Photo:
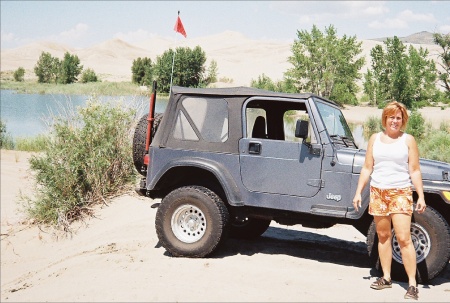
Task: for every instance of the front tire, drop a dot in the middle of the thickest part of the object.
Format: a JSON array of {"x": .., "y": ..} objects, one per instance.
[
  {"x": 431, "y": 237},
  {"x": 191, "y": 222}
]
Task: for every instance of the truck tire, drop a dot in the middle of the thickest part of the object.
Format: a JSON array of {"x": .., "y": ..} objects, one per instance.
[
  {"x": 431, "y": 236},
  {"x": 139, "y": 139},
  {"x": 249, "y": 229},
  {"x": 191, "y": 221}
]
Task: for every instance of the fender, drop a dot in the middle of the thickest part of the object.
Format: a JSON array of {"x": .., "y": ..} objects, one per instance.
[
  {"x": 220, "y": 172},
  {"x": 437, "y": 187}
]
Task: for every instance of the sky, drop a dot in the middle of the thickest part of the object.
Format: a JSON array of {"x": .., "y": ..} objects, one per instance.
[{"x": 87, "y": 23}]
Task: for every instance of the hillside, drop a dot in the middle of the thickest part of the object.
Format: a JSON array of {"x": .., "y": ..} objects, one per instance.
[{"x": 417, "y": 38}]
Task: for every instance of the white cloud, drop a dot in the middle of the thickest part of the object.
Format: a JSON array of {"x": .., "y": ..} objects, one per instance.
[
  {"x": 363, "y": 8},
  {"x": 7, "y": 37},
  {"x": 74, "y": 33},
  {"x": 326, "y": 10},
  {"x": 402, "y": 20},
  {"x": 135, "y": 36},
  {"x": 388, "y": 24},
  {"x": 409, "y": 16},
  {"x": 444, "y": 29}
]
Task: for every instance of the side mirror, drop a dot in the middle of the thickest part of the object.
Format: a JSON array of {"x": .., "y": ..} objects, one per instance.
[{"x": 301, "y": 129}]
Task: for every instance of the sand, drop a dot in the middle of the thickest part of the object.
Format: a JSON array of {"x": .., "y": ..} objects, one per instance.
[{"x": 116, "y": 256}]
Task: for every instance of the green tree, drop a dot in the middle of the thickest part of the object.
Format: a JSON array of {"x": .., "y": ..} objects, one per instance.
[
  {"x": 264, "y": 82},
  {"x": 47, "y": 68},
  {"x": 19, "y": 74},
  {"x": 142, "y": 71},
  {"x": 188, "y": 69},
  {"x": 211, "y": 76},
  {"x": 70, "y": 69},
  {"x": 444, "y": 42},
  {"x": 400, "y": 74},
  {"x": 325, "y": 64},
  {"x": 88, "y": 75}
]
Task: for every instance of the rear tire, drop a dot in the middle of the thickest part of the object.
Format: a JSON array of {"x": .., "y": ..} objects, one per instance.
[
  {"x": 139, "y": 140},
  {"x": 191, "y": 222},
  {"x": 431, "y": 236}
]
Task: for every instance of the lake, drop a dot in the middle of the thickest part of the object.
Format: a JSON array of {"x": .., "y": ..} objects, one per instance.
[{"x": 25, "y": 114}]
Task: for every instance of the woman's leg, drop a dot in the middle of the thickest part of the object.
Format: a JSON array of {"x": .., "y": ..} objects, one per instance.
[
  {"x": 383, "y": 224},
  {"x": 402, "y": 228}
]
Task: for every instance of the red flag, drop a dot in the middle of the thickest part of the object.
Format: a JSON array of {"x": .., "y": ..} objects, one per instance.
[{"x": 179, "y": 27}]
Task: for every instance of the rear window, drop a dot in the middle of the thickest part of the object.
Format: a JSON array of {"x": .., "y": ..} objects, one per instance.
[{"x": 202, "y": 118}]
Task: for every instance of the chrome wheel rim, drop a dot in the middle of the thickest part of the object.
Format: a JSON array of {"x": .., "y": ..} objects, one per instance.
[
  {"x": 421, "y": 241},
  {"x": 188, "y": 223}
]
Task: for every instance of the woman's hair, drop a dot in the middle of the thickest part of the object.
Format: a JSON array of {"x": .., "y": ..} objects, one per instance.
[{"x": 390, "y": 110}]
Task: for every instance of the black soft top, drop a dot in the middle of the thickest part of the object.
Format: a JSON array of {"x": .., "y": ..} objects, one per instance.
[{"x": 241, "y": 91}]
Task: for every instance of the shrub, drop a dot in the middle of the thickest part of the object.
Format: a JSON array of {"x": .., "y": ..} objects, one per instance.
[
  {"x": 416, "y": 125},
  {"x": 87, "y": 159},
  {"x": 88, "y": 76},
  {"x": 19, "y": 74},
  {"x": 6, "y": 141}
]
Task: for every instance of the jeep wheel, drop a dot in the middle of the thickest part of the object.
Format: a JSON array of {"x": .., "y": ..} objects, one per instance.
[
  {"x": 139, "y": 140},
  {"x": 191, "y": 222},
  {"x": 431, "y": 237},
  {"x": 248, "y": 229}
]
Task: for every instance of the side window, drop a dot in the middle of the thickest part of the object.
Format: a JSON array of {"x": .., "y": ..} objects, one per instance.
[
  {"x": 290, "y": 118},
  {"x": 201, "y": 117},
  {"x": 276, "y": 119}
]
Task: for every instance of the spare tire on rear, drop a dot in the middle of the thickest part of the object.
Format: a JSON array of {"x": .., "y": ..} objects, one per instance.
[{"x": 139, "y": 139}]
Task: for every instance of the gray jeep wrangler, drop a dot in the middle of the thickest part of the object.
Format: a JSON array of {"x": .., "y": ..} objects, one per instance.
[{"x": 228, "y": 161}]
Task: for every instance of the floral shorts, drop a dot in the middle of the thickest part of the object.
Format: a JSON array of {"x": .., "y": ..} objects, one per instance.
[{"x": 384, "y": 202}]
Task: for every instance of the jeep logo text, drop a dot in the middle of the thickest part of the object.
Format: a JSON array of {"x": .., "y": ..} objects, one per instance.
[{"x": 337, "y": 198}]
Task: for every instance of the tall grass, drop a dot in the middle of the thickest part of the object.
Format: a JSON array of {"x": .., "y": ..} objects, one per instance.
[
  {"x": 31, "y": 144},
  {"x": 87, "y": 159}
]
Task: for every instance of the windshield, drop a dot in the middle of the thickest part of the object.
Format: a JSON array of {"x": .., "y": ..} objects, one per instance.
[{"x": 334, "y": 121}]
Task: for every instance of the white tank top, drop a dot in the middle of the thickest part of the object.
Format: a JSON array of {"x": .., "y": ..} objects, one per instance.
[{"x": 390, "y": 168}]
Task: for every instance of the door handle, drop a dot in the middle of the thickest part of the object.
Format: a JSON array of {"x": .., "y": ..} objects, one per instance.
[{"x": 254, "y": 148}]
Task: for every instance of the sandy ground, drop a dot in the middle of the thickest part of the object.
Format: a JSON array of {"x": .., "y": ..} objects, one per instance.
[{"x": 115, "y": 256}]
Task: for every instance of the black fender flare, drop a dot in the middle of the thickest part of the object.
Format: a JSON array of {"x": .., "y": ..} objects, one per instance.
[{"x": 226, "y": 180}]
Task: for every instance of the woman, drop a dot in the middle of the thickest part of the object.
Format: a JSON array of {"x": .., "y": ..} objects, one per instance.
[{"x": 392, "y": 164}]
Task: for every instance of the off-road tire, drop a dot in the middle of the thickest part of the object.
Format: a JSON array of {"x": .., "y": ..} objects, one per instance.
[
  {"x": 249, "y": 229},
  {"x": 139, "y": 140},
  {"x": 431, "y": 237},
  {"x": 191, "y": 221}
]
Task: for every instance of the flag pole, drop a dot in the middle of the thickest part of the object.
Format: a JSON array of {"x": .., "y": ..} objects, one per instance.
[
  {"x": 173, "y": 62},
  {"x": 173, "y": 59}
]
